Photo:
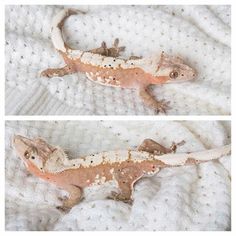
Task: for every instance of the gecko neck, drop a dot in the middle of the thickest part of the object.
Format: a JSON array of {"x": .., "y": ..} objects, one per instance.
[{"x": 159, "y": 79}]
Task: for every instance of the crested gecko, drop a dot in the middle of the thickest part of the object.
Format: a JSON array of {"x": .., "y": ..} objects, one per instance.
[
  {"x": 104, "y": 66},
  {"x": 122, "y": 168}
]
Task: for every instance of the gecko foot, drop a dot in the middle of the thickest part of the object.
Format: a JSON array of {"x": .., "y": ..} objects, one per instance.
[
  {"x": 52, "y": 72},
  {"x": 47, "y": 73},
  {"x": 149, "y": 100},
  {"x": 62, "y": 199},
  {"x": 174, "y": 145},
  {"x": 115, "y": 50},
  {"x": 161, "y": 106},
  {"x": 108, "y": 52},
  {"x": 62, "y": 208},
  {"x": 120, "y": 197}
]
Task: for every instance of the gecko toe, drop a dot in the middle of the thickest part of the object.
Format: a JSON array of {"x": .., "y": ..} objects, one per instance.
[
  {"x": 119, "y": 197},
  {"x": 63, "y": 208},
  {"x": 46, "y": 73},
  {"x": 64, "y": 198}
]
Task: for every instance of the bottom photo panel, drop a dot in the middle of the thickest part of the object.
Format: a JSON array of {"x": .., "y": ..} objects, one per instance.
[{"x": 117, "y": 175}]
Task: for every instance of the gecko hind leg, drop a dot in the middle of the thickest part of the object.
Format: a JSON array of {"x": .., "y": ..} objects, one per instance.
[
  {"x": 149, "y": 100},
  {"x": 151, "y": 146},
  {"x": 115, "y": 50},
  {"x": 109, "y": 52},
  {"x": 103, "y": 50},
  {"x": 52, "y": 72}
]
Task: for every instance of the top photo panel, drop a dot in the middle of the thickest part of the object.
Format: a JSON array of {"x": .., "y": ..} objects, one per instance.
[{"x": 118, "y": 60}]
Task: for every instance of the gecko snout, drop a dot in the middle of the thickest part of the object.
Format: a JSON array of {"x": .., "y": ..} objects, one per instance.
[
  {"x": 15, "y": 139},
  {"x": 193, "y": 74}
]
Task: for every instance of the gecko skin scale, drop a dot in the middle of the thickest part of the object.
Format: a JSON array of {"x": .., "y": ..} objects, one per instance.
[
  {"x": 104, "y": 66},
  {"x": 123, "y": 168}
]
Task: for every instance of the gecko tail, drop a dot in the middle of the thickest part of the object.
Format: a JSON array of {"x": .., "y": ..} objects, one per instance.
[
  {"x": 192, "y": 158},
  {"x": 56, "y": 30}
]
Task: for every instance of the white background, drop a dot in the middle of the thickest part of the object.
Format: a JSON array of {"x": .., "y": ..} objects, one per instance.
[{"x": 2, "y": 141}]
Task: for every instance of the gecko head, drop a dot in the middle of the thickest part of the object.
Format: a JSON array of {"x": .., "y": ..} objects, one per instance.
[
  {"x": 33, "y": 152},
  {"x": 174, "y": 69}
]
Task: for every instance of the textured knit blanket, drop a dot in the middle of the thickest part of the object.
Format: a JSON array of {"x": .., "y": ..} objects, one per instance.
[
  {"x": 200, "y": 34},
  {"x": 183, "y": 198}
]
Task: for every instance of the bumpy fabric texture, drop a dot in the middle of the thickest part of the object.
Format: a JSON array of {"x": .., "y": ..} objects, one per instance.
[
  {"x": 199, "y": 34},
  {"x": 183, "y": 198}
]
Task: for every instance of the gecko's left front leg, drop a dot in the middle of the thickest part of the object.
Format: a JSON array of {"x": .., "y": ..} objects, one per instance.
[
  {"x": 74, "y": 198},
  {"x": 149, "y": 100},
  {"x": 126, "y": 177}
]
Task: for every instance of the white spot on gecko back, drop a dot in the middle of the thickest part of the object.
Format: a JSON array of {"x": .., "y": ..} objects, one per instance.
[
  {"x": 86, "y": 57},
  {"x": 96, "y": 59},
  {"x": 139, "y": 158},
  {"x": 101, "y": 61},
  {"x": 58, "y": 161},
  {"x": 108, "y": 62},
  {"x": 148, "y": 65},
  {"x": 74, "y": 54},
  {"x": 96, "y": 159}
]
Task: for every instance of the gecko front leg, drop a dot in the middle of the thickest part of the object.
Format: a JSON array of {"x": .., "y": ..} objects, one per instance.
[
  {"x": 149, "y": 100},
  {"x": 52, "y": 72},
  {"x": 74, "y": 198},
  {"x": 126, "y": 177}
]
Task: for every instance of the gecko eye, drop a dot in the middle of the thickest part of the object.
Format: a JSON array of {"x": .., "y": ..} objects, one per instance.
[
  {"x": 174, "y": 74},
  {"x": 27, "y": 155},
  {"x": 32, "y": 157}
]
